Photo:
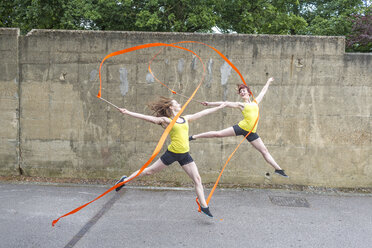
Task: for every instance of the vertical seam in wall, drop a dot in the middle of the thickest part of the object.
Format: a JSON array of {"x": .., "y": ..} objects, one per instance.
[
  {"x": 19, "y": 76},
  {"x": 107, "y": 110}
]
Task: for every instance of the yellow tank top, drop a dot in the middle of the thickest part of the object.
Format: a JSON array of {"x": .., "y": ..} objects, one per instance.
[
  {"x": 179, "y": 136},
  {"x": 250, "y": 114}
]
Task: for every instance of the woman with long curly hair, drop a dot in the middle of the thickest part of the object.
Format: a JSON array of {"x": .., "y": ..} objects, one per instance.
[{"x": 165, "y": 109}]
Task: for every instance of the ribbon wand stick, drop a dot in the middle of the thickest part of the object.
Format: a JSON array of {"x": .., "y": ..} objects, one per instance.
[{"x": 109, "y": 103}]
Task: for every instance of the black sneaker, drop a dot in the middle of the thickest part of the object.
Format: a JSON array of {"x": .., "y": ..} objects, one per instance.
[
  {"x": 121, "y": 180},
  {"x": 206, "y": 211},
  {"x": 191, "y": 138},
  {"x": 281, "y": 172}
]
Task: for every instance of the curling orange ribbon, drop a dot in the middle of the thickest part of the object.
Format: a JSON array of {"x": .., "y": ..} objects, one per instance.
[
  {"x": 227, "y": 161},
  {"x": 197, "y": 42},
  {"x": 241, "y": 77},
  {"x": 166, "y": 131}
]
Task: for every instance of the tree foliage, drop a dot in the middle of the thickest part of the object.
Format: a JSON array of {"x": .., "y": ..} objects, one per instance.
[
  {"x": 259, "y": 17},
  {"x": 43, "y": 14},
  {"x": 145, "y": 15},
  {"x": 306, "y": 17},
  {"x": 360, "y": 38},
  {"x": 329, "y": 17}
]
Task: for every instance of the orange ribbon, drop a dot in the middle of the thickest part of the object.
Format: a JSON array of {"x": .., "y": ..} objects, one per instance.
[
  {"x": 241, "y": 77},
  {"x": 166, "y": 131},
  {"x": 228, "y": 160},
  {"x": 197, "y": 42},
  {"x": 169, "y": 127}
]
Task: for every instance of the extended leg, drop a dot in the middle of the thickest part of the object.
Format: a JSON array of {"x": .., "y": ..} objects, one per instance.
[
  {"x": 192, "y": 171},
  {"x": 215, "y": 134},
  {"x": 260, "y": 146},
  {"x": 155, "y": 167}
]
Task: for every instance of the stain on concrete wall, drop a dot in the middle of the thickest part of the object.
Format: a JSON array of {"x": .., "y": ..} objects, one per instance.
[
  {"x": 180, "y": 65},
  {"x": 225, "y": 74},
  {"x": 209, "y": 77},
  {"x": 194, "y": 63},
  {"x": 124, "y": 84},
  {"x": 150, "y": 78},
  {"x": 180, "y": 72},
  {"x": 93, "y": 75}
]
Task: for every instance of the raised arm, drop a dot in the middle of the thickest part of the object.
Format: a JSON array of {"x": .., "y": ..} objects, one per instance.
[
  {"x": 204, "y": 112},
  {"x": 264, "y": 90},
  {"x": 149, "y": 118}
]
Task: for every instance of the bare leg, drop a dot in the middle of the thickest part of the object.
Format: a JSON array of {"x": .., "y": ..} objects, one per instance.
[
  {"x": 155, "y": 167},
  {"x": 192, "y": 171},
  {"x": 260, "y": 146},
  {"x": 215, "y": 134}
]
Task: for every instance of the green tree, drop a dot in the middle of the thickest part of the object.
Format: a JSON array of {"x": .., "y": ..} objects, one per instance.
[
  {"x": 7, "y": 13},
  {"x": 308, "y": 17},
  {"x": 44, "y": 14},
  {"x": 166, "y": 15},
  {"x": 259, "y": 17},
  {"x": 111, "y": 14},
  {"x": 360, "y": 37},
  {"x": 140, "y": 15},
  {"x": 311, "y": 17},
  {"x": 329, "y": 17}
]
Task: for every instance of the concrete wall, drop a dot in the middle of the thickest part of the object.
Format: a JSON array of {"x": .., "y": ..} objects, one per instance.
[
  {"x": 315, "y": 118},
  {"x": 9, "y": 102}
]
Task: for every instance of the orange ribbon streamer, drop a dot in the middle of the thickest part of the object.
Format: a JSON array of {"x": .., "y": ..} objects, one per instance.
[
  {"x": 229, "y": 158},
  {"x": 169, "y": 127},
  {"x": 197, "y": 42},
  {"x": 227, "y": 161},
  {"x": 166, "y": 131},
  {"x": 241, "y": 77}
]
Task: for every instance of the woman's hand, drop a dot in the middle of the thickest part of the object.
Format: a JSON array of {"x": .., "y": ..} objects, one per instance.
[
  {"x": 123, "y": 110},
  {"x": 205, "y": 103},
  {"x": 270, "y": 80}
]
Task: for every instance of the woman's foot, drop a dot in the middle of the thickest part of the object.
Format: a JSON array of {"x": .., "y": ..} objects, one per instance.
[
  {"x": 206, "y": 211},
  {"x": 121, "y": 180},
  {"x": 281, "y": 172}
]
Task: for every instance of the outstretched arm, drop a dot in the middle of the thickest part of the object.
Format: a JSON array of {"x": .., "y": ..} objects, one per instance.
[
  {"x": 149, "y": 118},
  {"x": 264, "y": 90},
  {"x": 228, "y": 104},
  {"x": 204, "y": 112}
]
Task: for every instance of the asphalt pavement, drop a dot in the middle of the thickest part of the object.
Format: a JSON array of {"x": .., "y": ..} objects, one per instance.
[{"x": 168, "y": 217}]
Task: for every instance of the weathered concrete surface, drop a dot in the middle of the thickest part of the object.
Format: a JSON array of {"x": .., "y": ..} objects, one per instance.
[
  {"x": 9, "y": 102},
  {"x": 168, "y": 218},
  {"x": 315, "y": 118}
]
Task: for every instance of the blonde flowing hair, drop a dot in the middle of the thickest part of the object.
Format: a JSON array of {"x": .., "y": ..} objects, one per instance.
[{"x": 161, "y": 107}]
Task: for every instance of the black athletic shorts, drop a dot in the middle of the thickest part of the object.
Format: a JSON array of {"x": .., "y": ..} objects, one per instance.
[
  {"x": 239, "y": 131},
  {"x": 182, "y": 158}
]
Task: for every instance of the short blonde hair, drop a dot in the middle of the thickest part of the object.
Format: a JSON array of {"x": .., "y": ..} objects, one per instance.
[{"x": 243, "y": 86}]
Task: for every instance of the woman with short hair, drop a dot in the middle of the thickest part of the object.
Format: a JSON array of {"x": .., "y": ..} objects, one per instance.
[{"x": 249, "y": 109}]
